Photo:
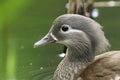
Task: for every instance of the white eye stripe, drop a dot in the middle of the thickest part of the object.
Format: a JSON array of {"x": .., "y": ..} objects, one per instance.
[{"x": 73, "y": 31}]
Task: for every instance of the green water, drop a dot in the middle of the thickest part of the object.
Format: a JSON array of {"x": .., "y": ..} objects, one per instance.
[{"x": 21, "y": 25}]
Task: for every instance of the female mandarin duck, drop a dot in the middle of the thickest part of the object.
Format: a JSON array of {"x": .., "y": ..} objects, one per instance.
[{"x": 83, "y": 38}]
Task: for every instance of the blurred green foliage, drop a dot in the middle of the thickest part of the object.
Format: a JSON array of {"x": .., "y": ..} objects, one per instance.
[
  {"x": 9, "y": 9},
  {"x": 18, "y": 18}
]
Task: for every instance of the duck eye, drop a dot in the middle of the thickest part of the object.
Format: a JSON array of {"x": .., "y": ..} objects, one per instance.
[{"x": 65, "y": 28}]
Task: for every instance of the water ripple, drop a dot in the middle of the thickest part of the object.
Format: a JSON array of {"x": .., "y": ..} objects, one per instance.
[{"x": 45, "y": 74}]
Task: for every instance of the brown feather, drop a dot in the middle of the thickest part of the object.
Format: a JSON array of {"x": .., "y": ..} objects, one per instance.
[{"x": 105, "y": 67}]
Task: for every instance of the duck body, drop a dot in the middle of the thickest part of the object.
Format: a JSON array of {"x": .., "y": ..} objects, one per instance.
[
  {"x": 106, "y": 66},
  {"x": 83, "y": 38}
]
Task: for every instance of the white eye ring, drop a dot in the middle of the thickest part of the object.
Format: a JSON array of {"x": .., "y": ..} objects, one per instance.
[{"x": 65, "y": 28}]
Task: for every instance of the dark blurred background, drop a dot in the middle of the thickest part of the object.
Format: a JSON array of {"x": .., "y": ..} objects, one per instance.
[{"x": 23, "y": 22}]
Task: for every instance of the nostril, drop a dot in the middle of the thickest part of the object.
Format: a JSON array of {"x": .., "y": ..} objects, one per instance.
[{"x": 46, "y": 38}]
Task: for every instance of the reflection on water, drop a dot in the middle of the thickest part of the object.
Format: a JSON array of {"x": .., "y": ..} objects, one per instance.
[{"x": 43, "y": 74}]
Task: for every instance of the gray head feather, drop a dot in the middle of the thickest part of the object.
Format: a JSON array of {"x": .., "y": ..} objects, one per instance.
[
  {"x": 83, "y": 39},
  {"x": 92, "y": 29}
]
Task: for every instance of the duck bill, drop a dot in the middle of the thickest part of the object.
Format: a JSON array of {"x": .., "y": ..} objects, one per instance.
[{"x": 45, "y": 40}]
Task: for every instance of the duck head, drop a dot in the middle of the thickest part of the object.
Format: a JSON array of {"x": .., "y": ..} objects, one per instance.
[{"x": 78, "y": 33}]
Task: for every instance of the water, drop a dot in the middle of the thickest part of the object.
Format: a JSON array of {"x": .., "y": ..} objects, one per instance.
[
  {"x": 20, "y": 61},
  {"x": 43, "y": 74}
]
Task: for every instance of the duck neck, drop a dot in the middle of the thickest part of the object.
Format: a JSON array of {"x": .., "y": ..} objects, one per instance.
[
  {"x": 82, "y": 54},
  {"x": 75, "y": 61}
]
